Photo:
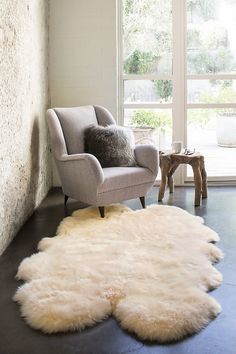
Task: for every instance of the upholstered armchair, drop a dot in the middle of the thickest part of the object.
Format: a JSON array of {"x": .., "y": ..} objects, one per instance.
[{"x": 81, "y": 174}]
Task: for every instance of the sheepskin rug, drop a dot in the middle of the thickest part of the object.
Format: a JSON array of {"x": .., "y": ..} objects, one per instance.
[{"x": 151, "y": 269}]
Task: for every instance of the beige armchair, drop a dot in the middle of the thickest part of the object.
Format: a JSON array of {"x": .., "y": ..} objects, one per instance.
[{"x": 81, "y": 174}]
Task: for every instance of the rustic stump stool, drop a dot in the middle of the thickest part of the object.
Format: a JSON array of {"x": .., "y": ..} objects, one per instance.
[{"x": 169, "y": 162}]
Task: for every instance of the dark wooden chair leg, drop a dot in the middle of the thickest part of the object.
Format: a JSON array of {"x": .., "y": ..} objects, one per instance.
[
  {"x": 142, "y": 200},
  {"x": 65, "y": 199},
  {"x": 102, "y": 211}
]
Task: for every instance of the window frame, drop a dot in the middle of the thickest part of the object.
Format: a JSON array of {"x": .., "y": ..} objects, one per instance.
[{"x": 179, "y": 78}]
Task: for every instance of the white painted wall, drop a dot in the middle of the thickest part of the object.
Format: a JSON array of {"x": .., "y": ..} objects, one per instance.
[
  {"x": 83, "y": 53},
  {"x": 83, "y": 60}
]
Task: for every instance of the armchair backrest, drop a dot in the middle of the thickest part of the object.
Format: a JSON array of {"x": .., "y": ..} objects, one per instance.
[{"x": 67, "y": 125}]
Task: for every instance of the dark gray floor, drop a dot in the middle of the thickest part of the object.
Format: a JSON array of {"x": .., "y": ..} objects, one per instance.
[{"x": 219, "y": 337}]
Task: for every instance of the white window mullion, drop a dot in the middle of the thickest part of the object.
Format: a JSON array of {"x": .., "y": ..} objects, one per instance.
[
  {"x": 147, "y": 105},
  {"x": 120, "y": 98},
  {"x": 210, "y": 105},
  {"x": 179, "y": 75},
  {"x": 212, "y": 77},
  {"x": 147, "y": 77}
]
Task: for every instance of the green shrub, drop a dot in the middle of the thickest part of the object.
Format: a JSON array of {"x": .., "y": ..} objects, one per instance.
[
  {"x": 164, "y": 88},
  {"x": 139, "y": 62},
  {"x": 152, "y": 119}
]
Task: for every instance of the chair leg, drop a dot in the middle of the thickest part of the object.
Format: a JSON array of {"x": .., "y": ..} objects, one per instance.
[
  {"x": 142, "y": 200},
  {"x": 102, "y": 211},
  {"x": 65, "y": 199}
]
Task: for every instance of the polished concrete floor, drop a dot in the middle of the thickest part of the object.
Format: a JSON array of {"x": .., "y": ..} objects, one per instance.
[{"x": 219, "y": 337}]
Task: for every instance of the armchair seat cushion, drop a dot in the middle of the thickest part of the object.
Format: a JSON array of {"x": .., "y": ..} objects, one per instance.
[{"x": 124, "y": 177}]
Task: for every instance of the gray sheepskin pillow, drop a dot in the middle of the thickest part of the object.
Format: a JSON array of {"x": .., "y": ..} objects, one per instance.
[{"x": 112, "y": 145}]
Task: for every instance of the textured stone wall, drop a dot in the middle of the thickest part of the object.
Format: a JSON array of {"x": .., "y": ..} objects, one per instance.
[{"x": 25, "y": 169}]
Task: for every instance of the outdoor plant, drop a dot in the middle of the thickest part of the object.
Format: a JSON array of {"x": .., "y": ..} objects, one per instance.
[
  {"x": 163, "y": 89},
  {"x": 152, "y": 119},
  {"x": 139, "y": 62}
]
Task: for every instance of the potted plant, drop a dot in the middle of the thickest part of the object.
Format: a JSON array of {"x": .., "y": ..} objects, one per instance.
[
  {"x": 226, "y": 128},
  {"x": 149, "y": 126}
]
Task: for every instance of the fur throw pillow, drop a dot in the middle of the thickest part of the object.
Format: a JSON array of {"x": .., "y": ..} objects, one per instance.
[{"x": 112, "y": 145}]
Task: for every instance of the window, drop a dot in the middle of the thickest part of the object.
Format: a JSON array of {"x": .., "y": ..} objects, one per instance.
[{"x": 178, "y": 77}]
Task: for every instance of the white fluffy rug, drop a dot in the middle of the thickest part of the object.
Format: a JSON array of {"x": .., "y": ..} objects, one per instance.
[{"x": 149, "y": 268}]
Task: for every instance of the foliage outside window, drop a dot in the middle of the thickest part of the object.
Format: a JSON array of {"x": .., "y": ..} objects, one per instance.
[
  {"x": 152, "y": 119},
  {"x": 147, "y": 49},
  {"x": 203, "y": 118},
  {"x": 164, "y": 89},
  {"x": 207, "y": 40},
  {"x": 147, "y": 36}
]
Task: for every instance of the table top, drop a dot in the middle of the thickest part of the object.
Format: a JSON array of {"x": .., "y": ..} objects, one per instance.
[
  {"x": 181, "y": 154},
  {"x": 180, "y": 158}
]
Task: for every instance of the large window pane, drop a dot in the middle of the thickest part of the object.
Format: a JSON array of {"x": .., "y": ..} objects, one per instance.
[
  {"x": 211, "y": 91},
  {"x": 159, "y": 91},
  {"x": 147, "y": 27},
  {"x": 213, "y": 133},
  {"x": 150, "y": 126},
  {"x": 211, "y": 40}
]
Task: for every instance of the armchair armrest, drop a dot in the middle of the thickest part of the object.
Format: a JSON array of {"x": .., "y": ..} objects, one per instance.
[
  {"x": 81, "y": 167},
  {"x": 147, "y": 156}
]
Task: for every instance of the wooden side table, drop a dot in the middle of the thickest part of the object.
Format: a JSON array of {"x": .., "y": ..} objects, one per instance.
[{"x": 169, "y": 162}]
